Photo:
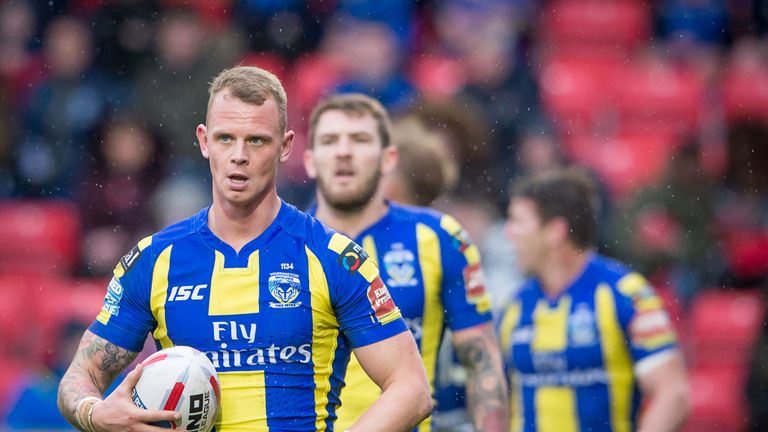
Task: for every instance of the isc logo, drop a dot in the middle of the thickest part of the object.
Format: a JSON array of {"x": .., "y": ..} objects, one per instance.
[{"x": 186, "y": 292}]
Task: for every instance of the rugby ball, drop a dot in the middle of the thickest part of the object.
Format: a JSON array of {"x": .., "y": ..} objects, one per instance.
[{"x": 180, "y": 379}]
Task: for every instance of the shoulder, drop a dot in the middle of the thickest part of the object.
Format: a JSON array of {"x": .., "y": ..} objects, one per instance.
[
  {"x": 176, "y": 232},
  {"x": 148, "y": 248},
  {"x": 626, "y": 284}
]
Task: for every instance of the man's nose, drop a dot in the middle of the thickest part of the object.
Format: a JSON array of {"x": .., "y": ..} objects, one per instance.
[{"x": 239, "y": 156}]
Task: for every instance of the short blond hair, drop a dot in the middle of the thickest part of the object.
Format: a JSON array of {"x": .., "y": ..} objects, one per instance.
[
  {"x": 355, "y": 103},
  {"x": 252, "y": 85}
]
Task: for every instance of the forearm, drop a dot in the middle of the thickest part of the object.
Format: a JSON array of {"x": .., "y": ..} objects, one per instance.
[
  {"x": 487, "y": 399},
  {"x": 665, "y": 412},
  {"x": 93, "y": 369},
  {"x": 398, "y": 408}
]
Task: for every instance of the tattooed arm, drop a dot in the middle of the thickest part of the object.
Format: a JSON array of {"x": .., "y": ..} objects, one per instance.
[
  {"x": 96, "y": 364},
  {"x": 487, "y": 398}
]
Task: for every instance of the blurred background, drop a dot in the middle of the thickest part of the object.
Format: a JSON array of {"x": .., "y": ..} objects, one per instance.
[{"x": 665, "y": 101}]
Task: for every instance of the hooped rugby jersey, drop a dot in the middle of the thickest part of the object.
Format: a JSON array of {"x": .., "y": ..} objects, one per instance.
[
  {"x": 433, "y": 272},
  {"x": 277, "y": 319},
  {"x": 573, "y": 361}
]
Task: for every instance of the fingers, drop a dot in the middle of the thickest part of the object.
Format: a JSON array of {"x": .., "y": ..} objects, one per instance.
[
  {"x": 149, "y": 428},
  {"x": 149, "y": 416},
  {"x": 133, "y": 377}
]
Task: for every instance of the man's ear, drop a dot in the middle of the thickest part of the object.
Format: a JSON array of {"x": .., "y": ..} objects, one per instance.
[
  {"x": 389, "y": 159},
  {"x": 309, "y": 164},
  {"x": 202, "y": 138},
  {"x": 285, "y": 151},
  {"x": 558, "y": 230}
]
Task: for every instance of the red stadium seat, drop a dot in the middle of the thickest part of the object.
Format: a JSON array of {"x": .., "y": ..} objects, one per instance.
[
  {"x": 624, "y": 162},
  {"x": 717, "y": 400},
  {"x": 38, "y": 237},
  {"x": 604, "y": 27},
  {"x": 268, "y": 61},
  {"x": 314, "y": 76},
  {"x": 725, "y": 326},
  {"x": 656, "y": 97},
  {"x": 436, "y": 77},
  {"x": 66, "y": 300},
  {"x": 16, "y": 317},
  {"x": 12, "y": 376},
  {"x": 745, "y": 93},
  {"x": 575, "y": 91}
]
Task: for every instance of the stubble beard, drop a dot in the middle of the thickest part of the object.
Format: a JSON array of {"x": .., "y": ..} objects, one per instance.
[{"x": 350, "y": 203}]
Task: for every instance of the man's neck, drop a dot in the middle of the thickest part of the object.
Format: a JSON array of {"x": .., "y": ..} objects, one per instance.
[
  {"x": 351, "y": 223},
  {"x": 561, "y": 268},
  {"x": 237, "y": 225}
]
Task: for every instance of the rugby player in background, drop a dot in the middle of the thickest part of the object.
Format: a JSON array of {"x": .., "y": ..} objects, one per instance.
[
  {"x": 430, "y": 266},
  {"x": 248, "y": 262},
  {"x": 585, "y": 337}
]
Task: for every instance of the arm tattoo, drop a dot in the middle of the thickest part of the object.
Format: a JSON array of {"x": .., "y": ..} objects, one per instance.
[
  {"x": 487, "y": 398},
  {"x": 93, "y": 369}
]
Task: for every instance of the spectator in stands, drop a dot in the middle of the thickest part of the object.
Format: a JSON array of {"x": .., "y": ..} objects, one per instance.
[
  {"x": 669, "y": 226},
  {"x": 373, "y": 63},
  {"x": 501, "y": 87},
  {"x": 286, "y": 28},
  {"x": 127, "y": 165},
  {"x": 124, "y": 31},
  {"x": 62, "y": 111},
  {"x": 694, "y": 22},
  {"x": 20, "y": 69},
  {"x": 168, "y": 92},
  {"x": 742, "y": 206}
]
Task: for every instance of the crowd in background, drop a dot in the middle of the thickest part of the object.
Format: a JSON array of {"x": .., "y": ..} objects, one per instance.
[{"x": 99, "y": 101}]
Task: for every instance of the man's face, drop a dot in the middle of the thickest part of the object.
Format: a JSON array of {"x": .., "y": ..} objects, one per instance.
[
  {"x": 347, "y": 159},
  {"x": 527, "y": 234},
  {"x": 244, "y": 144}
]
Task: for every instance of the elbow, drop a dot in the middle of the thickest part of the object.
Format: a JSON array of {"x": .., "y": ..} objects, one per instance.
[
  {"x": 683, "y": 401},
  {"x": 424, "y": 403}
]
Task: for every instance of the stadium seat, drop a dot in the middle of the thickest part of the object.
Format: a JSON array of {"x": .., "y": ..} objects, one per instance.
[
  {"x": 624, "y": 162},
  {"x": 655, "y": 97},
  {"x": 595, "y": 27},
  {"x": 724, "y": 326},
  {"x": 268, "y": 61},
  {"x": 436, "y": 77},
  {"x": 746, "y": 252},
  {"x": 313, "y": 76},
  {"x": 12, "y": 376},
  {"x": 38, "y": 237},
  {"x": 66, "y": 300},
  {"x": 717, "y": 400},
  {"x": 575, "y": 92},
  {"x": 16, "y": 317},
  {"x": 745, "y": 93}
]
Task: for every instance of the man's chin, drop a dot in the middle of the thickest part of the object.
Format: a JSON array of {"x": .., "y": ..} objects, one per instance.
[{"x": 347, "y": 203}]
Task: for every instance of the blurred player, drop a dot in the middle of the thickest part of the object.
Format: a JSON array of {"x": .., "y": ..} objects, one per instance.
[
  {"x": 431, "y": 268},
  {"x": 585, "y": 333},
  {"x": 266, "y": 291}
]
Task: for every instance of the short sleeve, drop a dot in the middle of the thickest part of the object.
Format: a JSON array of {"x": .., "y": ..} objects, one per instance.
[
  {"x": 463, "y": 289},
  {"x": 649, "y": 330},
  {"x": 364, "y": 308},
  {"x": 125, "y": 318}
]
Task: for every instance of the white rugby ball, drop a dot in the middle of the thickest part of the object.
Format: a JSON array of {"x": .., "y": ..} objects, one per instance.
[{"x": 180, "y": 379}]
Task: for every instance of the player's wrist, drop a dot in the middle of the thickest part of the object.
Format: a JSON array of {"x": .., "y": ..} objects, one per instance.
[{"x": 84, "y": 413}]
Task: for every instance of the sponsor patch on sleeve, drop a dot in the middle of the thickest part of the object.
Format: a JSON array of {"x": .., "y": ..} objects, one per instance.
[
  {"x": 352, "y": 257},
  {"x": 381, "y": 301},
  {"x": 651, "y": 329},
  {"x": 129, "y": 259},
  {"x": 112, "y": 299}
]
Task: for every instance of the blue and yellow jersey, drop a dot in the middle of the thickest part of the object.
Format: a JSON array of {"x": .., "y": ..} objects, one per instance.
[
  {"x": 573, "y": 361},
  {"x": 433, "y": 273},
  {"x": 277, "y": 319}
]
